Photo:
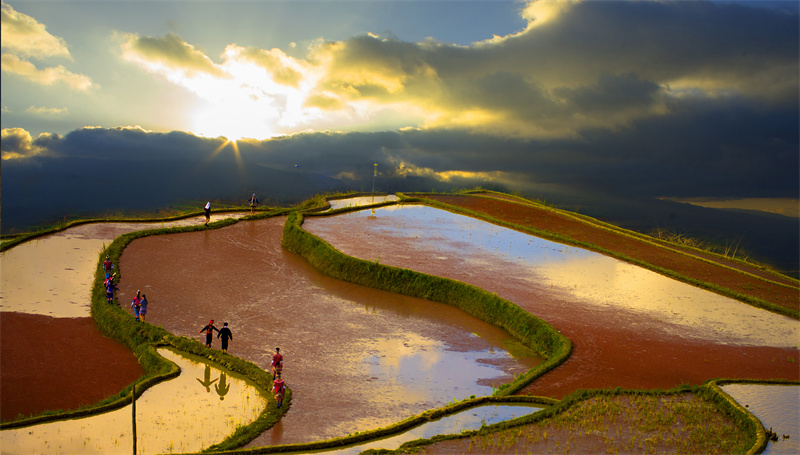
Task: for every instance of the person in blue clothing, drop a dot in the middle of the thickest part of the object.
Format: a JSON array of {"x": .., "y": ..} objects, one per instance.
[
  {"x": 253, "y": 203},
  {"x": 225, "y": 335}
]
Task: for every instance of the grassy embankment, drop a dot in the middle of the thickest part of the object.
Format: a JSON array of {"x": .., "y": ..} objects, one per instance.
[{"x": 687, "y": 419}]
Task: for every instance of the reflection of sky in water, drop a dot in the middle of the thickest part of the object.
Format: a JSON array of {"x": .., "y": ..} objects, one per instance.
[
  {"x": 418, "y": 367},
  {"x": 179, "y": 415},
  {"x": 359, "y": 201},
  {"x": 53, "y": 275},
  {"x": 588, "y": 277},
  {"x": 778, "y": 407},
  {"x": 470, "y": 419}
]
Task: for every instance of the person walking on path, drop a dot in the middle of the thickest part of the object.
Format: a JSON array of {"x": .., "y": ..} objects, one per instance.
[
  {"x": 142, "y": 307},
  {"x": 225, "y": 334},
  {"x": 209, "y": 330},
  {"x": 108, "y": 266},
  {"x": 207, "y": 210},
  {"x": 253, "y": 203},
  {"x": 277, "y": 363},
  {"x": 279, "y": 389},
  {"x": 136, "y": 304},
  {"x": 110, "y": 288}
]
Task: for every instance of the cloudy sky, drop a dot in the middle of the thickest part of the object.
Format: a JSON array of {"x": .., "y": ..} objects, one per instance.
[{"x": 688, "y": 100}]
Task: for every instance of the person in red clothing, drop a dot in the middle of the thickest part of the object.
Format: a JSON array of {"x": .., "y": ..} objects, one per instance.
[
  {"x": 277, "y": 363},
  {"x": 136, "y": 304},
  {"x": 279, "y": 389},
  {"x": 108, "y": 266},
  {"x": 209, "y": 330}
]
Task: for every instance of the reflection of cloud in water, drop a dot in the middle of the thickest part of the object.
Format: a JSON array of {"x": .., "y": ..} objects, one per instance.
[
  {"x": 52, "y": 275},
  {"x": 588, "y": 278},
  {"x": 420, "y": 369},
  {"x": 178, "y": 415}
]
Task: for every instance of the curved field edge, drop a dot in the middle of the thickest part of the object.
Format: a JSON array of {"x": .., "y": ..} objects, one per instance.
[
  {"x": 143, "y": 339},
  {"x": 727, "y": 292},
  {"x": 682, "y": 249},
  {"x": 709, "y": 392},
  {"x": 525, "y": 327}
]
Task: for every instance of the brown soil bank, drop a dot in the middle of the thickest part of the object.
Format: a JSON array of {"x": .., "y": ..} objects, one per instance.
[
  {"x": 59, "y": 363},
  {"x": 528, "y": 215}
]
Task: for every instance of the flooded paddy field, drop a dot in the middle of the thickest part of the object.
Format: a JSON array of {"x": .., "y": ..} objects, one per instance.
[
  {"x": 51, "y": 354},
  {"x": 630, "y": 327},
  {"x": 197, "y": 409},
  {"x": 355, "y": 358},
  {"x": 358, "y": 358}
]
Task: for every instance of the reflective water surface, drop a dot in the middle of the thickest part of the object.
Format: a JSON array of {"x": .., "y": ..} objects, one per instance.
[
  {"x": 52, "y": 275},
  {"x": 778, "y": 408},
  {"x": 359, "y": 201},
  {"x": 467, "y": 420},
  {"x": 593, "y": 279},
  {"x": 199, "y": 408},
  {"x": 356, "y": 358}
]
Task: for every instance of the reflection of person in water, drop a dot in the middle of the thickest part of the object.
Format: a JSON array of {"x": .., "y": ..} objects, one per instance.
[
  {"x": 207, "y": 380},
  {"x": 225, "y": 334},
  {"x": 223, "y": 387}
]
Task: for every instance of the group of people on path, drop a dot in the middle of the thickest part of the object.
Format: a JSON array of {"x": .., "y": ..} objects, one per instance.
[
  {"x": 276, "y": 365},
  {"x": 253, "y": 204},
  {"x": 224, "y": 334},
  {"x": 139, "y": 303}
]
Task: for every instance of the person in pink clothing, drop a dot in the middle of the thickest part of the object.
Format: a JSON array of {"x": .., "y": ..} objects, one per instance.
[
  {"x": 136, "y": 304},
  {"x": 277, "y": 363},
  {"x": 279, "y": 389}
]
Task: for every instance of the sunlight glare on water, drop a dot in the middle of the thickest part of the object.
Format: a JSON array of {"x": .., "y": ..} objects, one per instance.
[{"x": 199, "y": 408}]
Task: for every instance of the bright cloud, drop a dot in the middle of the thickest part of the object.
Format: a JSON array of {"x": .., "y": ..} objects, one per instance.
[
  {"x": 48, "y": 76},
  {"x": 17, "y": 143},
  {"x": 578, "y": 65},
  {"x": 24, "y": 38},
  {"x": 46, "y": 111},
  {"x": 23, "y": 35}
]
